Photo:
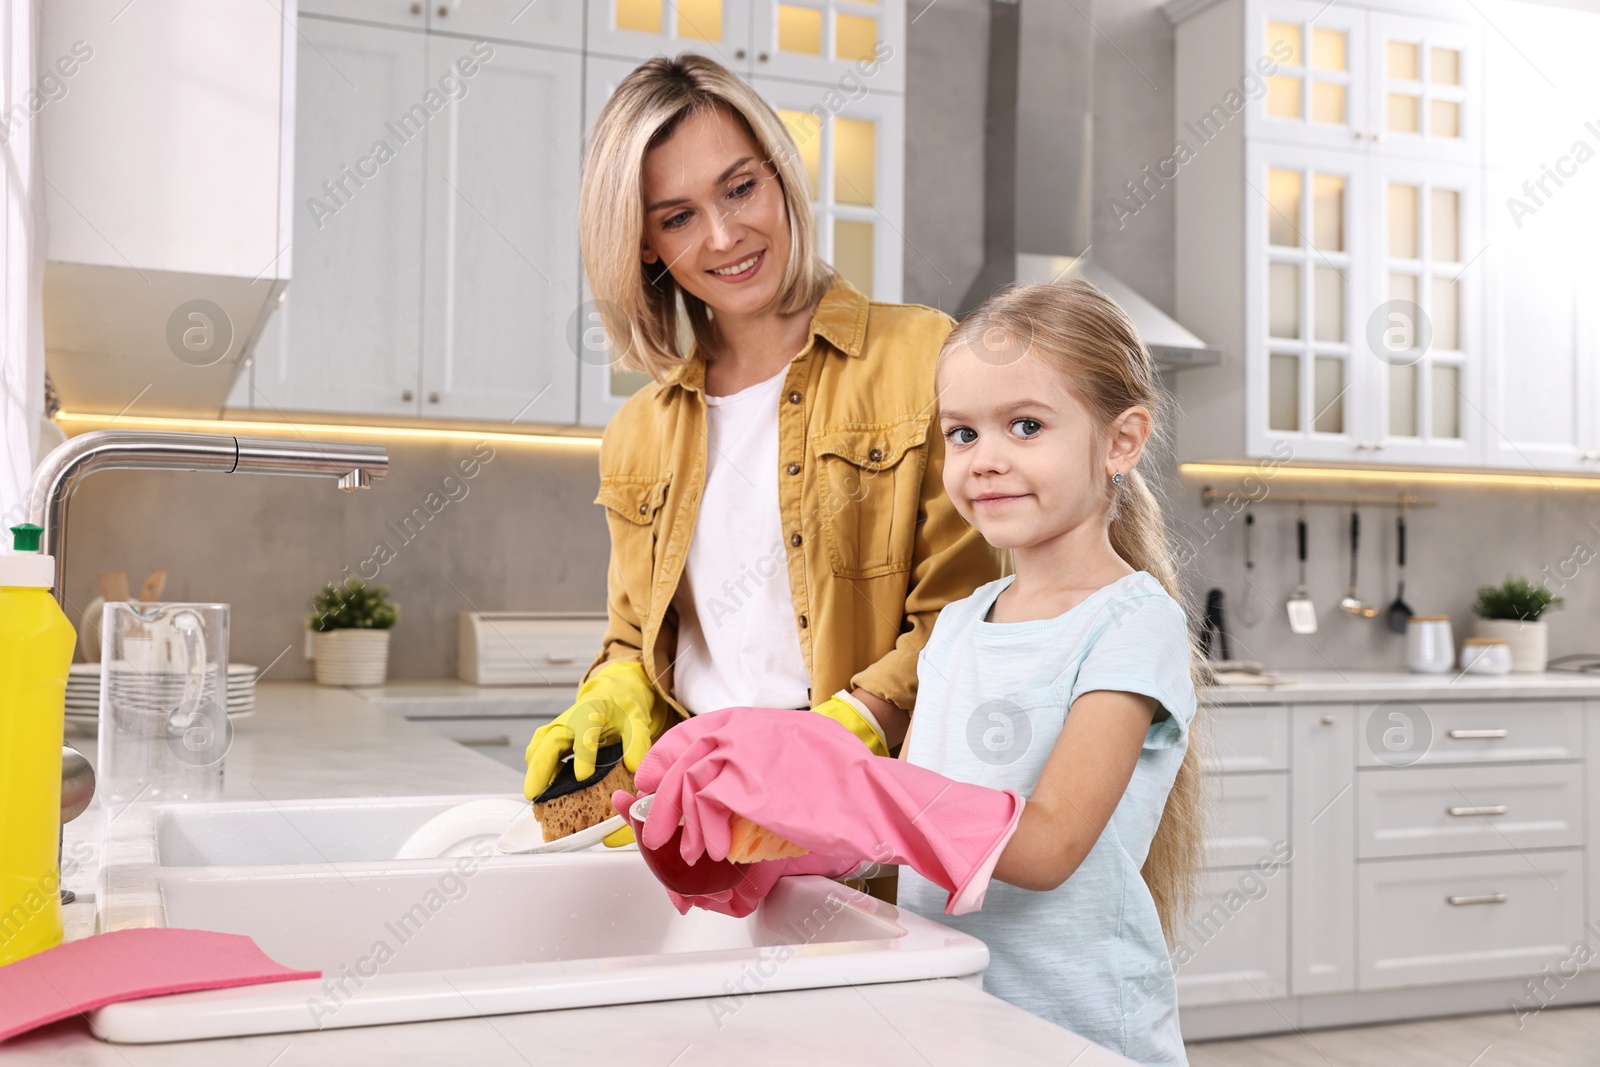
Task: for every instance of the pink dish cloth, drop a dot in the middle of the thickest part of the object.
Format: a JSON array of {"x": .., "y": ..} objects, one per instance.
[{"x": 125, "y": 965}]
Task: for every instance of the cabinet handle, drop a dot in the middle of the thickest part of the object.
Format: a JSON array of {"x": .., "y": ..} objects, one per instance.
[
  {"x": 433, "y": 398},
  {"x": 556, "y": 657},
  {"x": 1327, "y": 720},
  {"x": 1481, "y": 898},
  {"x": 738, "y": 53},
  {"x": 416, "y": 9},
  {"x": 1589, "y": 454},
  {"x": 485, "y": 742},
  {"x": 1462, "y": 735},
  {"x": 443, "y": 11},
  {"x": 762, "y": 57},
  {"x": 407, "y": 396},
  {"x": 1483, "y": 809}
]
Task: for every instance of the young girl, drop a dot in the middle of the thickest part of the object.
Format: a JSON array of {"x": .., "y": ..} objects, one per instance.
[{"x": 1071, "y": 683}]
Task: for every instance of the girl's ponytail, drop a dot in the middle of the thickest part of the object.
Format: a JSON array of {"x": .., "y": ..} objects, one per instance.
[
  {"x": 1172, "y": 867},
  {"x": 1098, "y": 348}
]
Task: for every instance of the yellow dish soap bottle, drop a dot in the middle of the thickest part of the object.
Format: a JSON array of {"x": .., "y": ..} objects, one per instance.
[{"x": 36, "y": 642}]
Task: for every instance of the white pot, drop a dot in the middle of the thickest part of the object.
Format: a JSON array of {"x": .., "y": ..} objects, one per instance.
[
  {"x": 351, "y": 657},
  {"x": 1529, "y": 641}
]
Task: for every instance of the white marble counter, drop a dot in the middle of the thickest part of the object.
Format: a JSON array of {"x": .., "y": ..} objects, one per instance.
[
  {"x": 1356, "y": 686},
  {"x": 310, "y": 741}
]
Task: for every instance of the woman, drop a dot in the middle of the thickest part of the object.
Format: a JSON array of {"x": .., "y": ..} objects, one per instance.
[{"x": 779, "y": 533}]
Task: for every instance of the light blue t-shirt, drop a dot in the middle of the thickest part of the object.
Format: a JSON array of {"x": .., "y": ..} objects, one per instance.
[{"x": 991, "y": 700}]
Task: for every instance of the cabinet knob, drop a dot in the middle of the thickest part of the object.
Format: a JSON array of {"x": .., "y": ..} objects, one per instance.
[
  {"x": 407, "y": 395},
  {"x": 1589, "y": 454},
  {"x": 416, "y": 9},
  {"x": 762, "y": 57},
  {"x": 1327, "y": 720},
  {"x": 433, "y": 398},
  {"x": 738, "y": 53},
  {"x": 443, "y": 11}
]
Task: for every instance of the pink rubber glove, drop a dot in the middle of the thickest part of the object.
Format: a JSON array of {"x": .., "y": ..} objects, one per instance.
[
  {"x": 809, "y": 779},
  {"x": 743, "y": 898}
]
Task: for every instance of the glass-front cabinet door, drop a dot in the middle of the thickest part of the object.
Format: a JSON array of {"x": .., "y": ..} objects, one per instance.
[
  {"x": 639, "y": 29},
  {"x": 1424, "y": 319},
  {"x": 840, "y": 43},
  {"x": 1306, "y": 76},
  {"x": 1308, "y": 372},
  {"x": 1427, "y": 87}
]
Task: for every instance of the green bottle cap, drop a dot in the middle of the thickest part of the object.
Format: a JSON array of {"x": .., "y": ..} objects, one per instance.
[{"x": 25, "y": 537}]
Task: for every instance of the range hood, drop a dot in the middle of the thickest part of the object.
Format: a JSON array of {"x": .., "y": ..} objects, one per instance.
[
  {"x": 1038, "y": 168},
  {"x": 168, "y": 172}
]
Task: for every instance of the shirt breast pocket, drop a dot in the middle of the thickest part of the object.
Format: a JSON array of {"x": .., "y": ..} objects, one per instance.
[
  {"x": 633, "y": 504},
  {"x": 870, "y": 489}
]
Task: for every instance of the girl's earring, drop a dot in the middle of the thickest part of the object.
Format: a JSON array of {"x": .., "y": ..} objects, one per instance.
[{"x": 1117, "y": 478}]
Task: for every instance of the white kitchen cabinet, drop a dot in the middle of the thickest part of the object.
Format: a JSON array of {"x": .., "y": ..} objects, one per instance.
[
  {"x": 638, "y": 29},
  {"x": 1426, "y": 811},
  {"x": 436, "y": 281},
  {"x": 1460, "y": 918},
  {"x": 1238, "y": 937},
  {"x": 839, "y": 43},
  {"x": 1327, "y": 240},
  {"x": 500, "y": 281},
  {"x": 411, "y": 14},
  {"x": 540, "y": 22},
  {"x": 1322, "y": 832},
  {"x": 353, "y": 322}
]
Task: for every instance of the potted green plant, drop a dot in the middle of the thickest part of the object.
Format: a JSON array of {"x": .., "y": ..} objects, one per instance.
[
  {"x": 350, "y": 626},
  {"x": 1510, "y": 612}
]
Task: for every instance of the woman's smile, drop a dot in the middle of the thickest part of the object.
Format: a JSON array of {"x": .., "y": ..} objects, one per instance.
[{"x": 741, "y": 269}]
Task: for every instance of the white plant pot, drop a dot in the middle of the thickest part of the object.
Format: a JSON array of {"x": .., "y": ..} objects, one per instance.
[
  {"x": 1529, "y": 641},
  {"x": 351, "y": 657}
]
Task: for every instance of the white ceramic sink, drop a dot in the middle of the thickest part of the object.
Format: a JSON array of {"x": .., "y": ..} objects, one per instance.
[{"x": 410, "y": 940}]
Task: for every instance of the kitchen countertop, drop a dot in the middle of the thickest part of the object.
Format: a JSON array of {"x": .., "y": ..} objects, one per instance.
[
  {"x": 310, "y": 741},
  {"x": 1356, "y": 686}
]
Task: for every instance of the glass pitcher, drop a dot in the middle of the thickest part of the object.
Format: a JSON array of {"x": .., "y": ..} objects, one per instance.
[{"x": 164, "y": 726}]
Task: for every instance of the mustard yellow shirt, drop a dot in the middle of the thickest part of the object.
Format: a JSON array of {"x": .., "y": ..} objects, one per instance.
[{"x": 875, "y": 548}]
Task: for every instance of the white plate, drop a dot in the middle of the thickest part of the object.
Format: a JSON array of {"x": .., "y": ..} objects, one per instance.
[
  {"x": 525, "y": 836},
  {"x": 454, "y": 832}
]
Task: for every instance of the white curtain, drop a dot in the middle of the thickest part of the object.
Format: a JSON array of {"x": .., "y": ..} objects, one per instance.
[{"x": 22, "y": 270}]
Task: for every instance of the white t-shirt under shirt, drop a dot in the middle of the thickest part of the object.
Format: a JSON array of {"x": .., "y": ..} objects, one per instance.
[{"x": 738, "y": 642}]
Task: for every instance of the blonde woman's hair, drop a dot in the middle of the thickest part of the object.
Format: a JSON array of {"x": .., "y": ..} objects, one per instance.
[
  {"x": 1096, "y": 346},
  {"x": 638, "y": 302}
]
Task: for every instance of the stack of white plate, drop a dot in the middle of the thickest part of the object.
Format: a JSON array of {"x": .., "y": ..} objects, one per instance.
[{"x": 83, "y": 690}]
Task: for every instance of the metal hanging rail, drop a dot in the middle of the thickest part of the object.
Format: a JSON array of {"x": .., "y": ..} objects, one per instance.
[{"x": 1209, "y": 496}]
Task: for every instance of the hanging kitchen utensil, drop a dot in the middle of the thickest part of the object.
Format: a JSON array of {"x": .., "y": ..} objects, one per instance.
[
  {"x": 1351, "y": 604},
  {"x": 1249, "y": 612},
  {"x": 1214, "y": 637},
  {"x": 1302, "y": 613},
  {"x": 1400, "y": 611}
]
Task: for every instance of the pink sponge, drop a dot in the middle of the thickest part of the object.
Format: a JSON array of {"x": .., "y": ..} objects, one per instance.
[{"x": 125, "y": 965}]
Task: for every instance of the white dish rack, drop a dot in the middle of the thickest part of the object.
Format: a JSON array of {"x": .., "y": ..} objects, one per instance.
[{"x": 528, "y": 647}]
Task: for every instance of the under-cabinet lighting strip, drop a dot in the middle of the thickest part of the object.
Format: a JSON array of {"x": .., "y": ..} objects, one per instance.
[
  {"x": 1391, "y": 477},
  {"x": 246, "y": 426}
]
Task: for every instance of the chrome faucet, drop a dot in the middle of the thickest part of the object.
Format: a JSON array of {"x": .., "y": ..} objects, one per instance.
[{"x": 58, "y": 475}]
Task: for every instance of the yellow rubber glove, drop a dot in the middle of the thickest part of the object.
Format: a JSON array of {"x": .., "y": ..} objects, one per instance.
[
  {"x": 856, "y": 717},
  {"x": 616, "y": 703}
]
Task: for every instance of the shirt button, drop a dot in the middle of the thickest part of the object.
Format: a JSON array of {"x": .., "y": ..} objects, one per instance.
[
  {"x": 802, "y": 622},
  {"x": 795, "y": 540},
  {"x": 794, "y": 468},
  {"x": 794, "y": 396},
  {"x": 876, "y": 455},
  {"x": 643, "y": 508}
]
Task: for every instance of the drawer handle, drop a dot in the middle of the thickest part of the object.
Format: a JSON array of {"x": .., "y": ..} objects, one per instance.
[
  {"x": 1481, "y": 898},
  {"x": 1463, "y": 734},
  {"x": 555, "y": 657},
  {"x": 1486, "y": 809},
  {"x": 485, "y": 742}
]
